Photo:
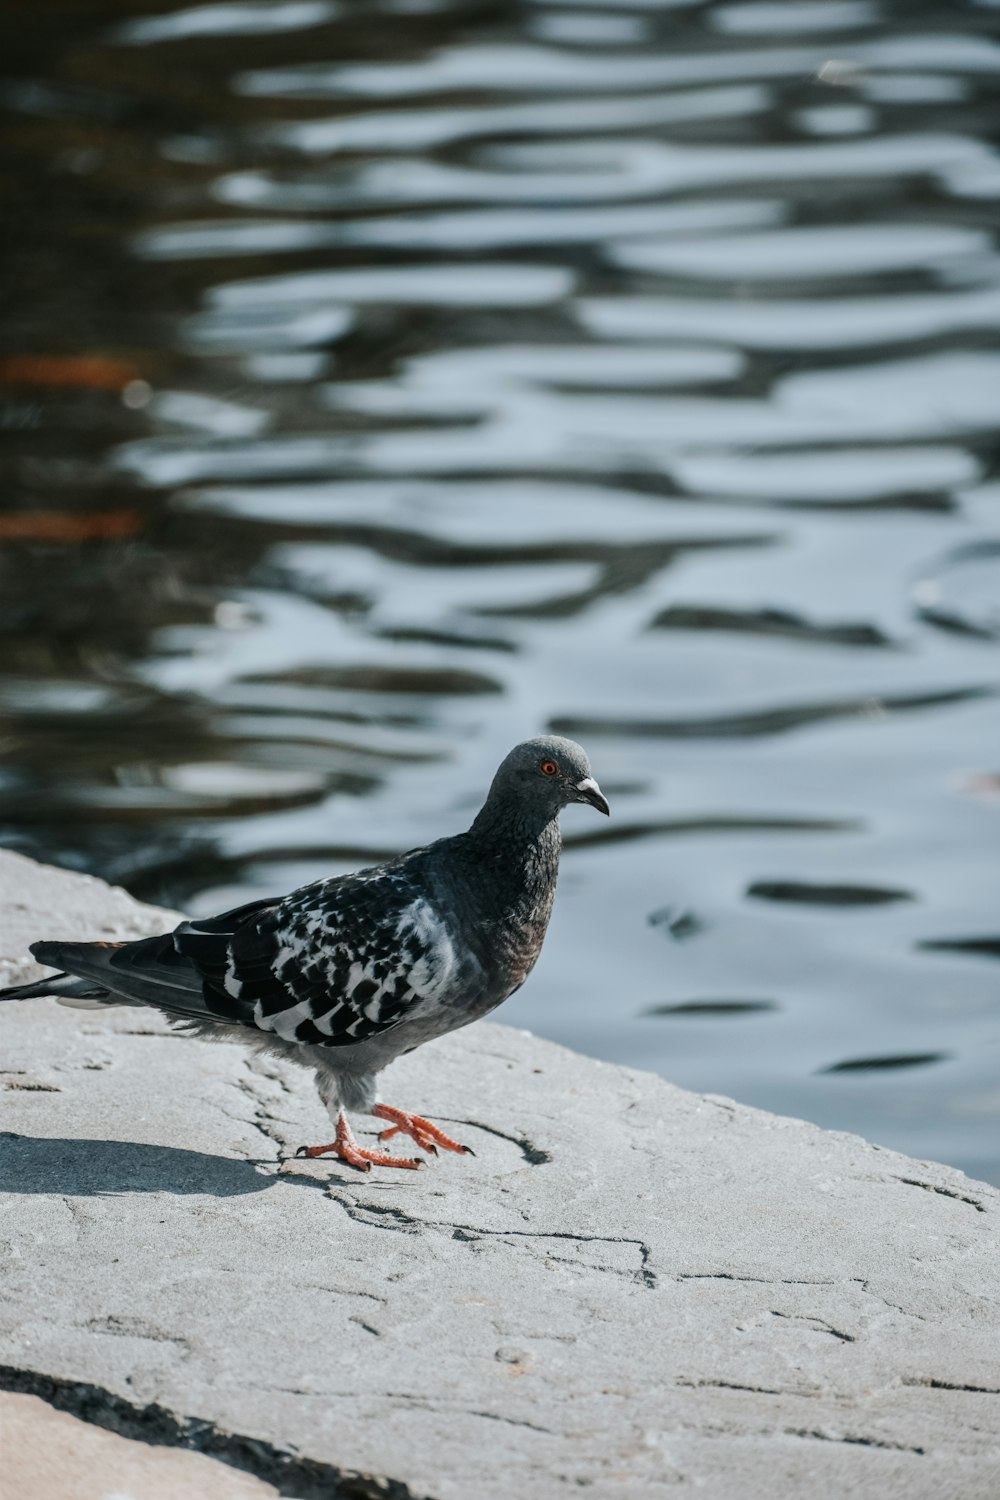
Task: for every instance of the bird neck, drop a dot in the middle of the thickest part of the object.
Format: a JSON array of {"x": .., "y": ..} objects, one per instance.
[
  {"x": 522, "y": 844},
  {"x": 499, "y": 825}
]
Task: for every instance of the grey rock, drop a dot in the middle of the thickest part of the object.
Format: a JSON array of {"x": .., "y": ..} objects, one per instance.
[
  {"x": 38, "y": 900},
  {"x": 52, "y": 1455},
  {"x": 631, "y": 1288}
]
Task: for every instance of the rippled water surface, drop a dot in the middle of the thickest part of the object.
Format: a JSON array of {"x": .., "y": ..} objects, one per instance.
[{"x": 384, "y": 381}]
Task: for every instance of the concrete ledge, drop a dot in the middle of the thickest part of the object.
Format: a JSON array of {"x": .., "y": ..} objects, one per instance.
[{"x": 630, "y": 1289}]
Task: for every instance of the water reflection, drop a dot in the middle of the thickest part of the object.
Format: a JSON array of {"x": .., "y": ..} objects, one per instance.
[
  {"x": 245, "y": 18},
  {"x": 383, "y": 385},
  {"x": 796, "y": 325},
  {"x": 807, "y": 254}
]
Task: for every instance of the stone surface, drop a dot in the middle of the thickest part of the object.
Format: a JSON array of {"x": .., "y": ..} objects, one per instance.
[
  {"x": 40, "y": 901},
  {"x": 631, "y": 1288},
  {"x": 51, "y": 1455}
]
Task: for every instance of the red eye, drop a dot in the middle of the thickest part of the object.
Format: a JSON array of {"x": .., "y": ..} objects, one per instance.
[{"x": 548, "y": 768}]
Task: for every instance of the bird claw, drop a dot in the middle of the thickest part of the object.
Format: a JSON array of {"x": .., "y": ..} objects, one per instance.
[
  {"x": 427, "y": 1136},
  {"x": 421, "y": 1137},
  {"x": 346, "y": 1149}
]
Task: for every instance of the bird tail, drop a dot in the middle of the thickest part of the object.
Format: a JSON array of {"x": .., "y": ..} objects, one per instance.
[
  {"x": 149, "y": 971},
  {"x": 66, "y": 988},
  {"x": 91, "y": 979}
]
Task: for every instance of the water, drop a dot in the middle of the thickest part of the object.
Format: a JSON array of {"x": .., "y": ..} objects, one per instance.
[{"x": 386, "y": 382}]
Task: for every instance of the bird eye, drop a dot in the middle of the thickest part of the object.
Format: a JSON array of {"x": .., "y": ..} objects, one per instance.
[{"x": 548, "y": 767}]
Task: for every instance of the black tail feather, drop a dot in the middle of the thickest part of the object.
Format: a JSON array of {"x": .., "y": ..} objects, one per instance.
[
  {"x": 149, "y": 971},
  {"x": 59, "y": 985},
  {"x": 181, "y": 973}
]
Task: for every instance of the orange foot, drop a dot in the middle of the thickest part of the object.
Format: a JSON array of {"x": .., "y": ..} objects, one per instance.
[
  {"x": 427, "y": 1136},
  {"x": 347, "y": 1149}
]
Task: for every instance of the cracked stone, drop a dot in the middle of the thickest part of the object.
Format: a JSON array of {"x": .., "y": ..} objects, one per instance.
[{"x": 707, "y": 1295}]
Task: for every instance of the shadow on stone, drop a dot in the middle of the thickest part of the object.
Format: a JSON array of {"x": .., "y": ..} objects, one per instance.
[{"x": 89, "y": 1168}]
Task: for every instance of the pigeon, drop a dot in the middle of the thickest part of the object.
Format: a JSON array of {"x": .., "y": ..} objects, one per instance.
[{"x": 349, "y": 972}]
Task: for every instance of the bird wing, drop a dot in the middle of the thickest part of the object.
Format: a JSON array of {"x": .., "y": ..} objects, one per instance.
[{"x": 334, "y": 963}]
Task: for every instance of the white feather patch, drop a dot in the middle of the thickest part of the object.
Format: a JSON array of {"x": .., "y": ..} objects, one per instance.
[{"x": 425, "y": 963}]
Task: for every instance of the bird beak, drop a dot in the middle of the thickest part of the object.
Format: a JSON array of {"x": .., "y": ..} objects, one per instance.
[{"x": 589, "y": 791}]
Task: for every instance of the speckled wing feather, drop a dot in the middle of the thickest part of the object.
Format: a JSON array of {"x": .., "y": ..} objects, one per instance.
[{"x": 333, "y": 964}]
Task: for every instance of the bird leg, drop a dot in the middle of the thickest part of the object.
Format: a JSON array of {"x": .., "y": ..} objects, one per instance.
[
  {"x": 347, "y": 1149},
  {"x": 427, "y": 1136}
]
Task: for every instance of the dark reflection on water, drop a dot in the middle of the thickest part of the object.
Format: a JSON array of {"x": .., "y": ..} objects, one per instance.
[
  {"x": 381, "y": 383},
  {"x": 870, "y": 1064},
  {"x": 711, "y": 1008},
  {"x": 825, "y": 895}
]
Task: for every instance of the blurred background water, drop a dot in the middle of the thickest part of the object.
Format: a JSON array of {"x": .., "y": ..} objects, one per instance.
[{"x": 384, "y": 381}]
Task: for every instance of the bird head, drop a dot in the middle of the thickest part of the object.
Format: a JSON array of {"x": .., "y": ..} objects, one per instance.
[{"x": 549, "y": 773}]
